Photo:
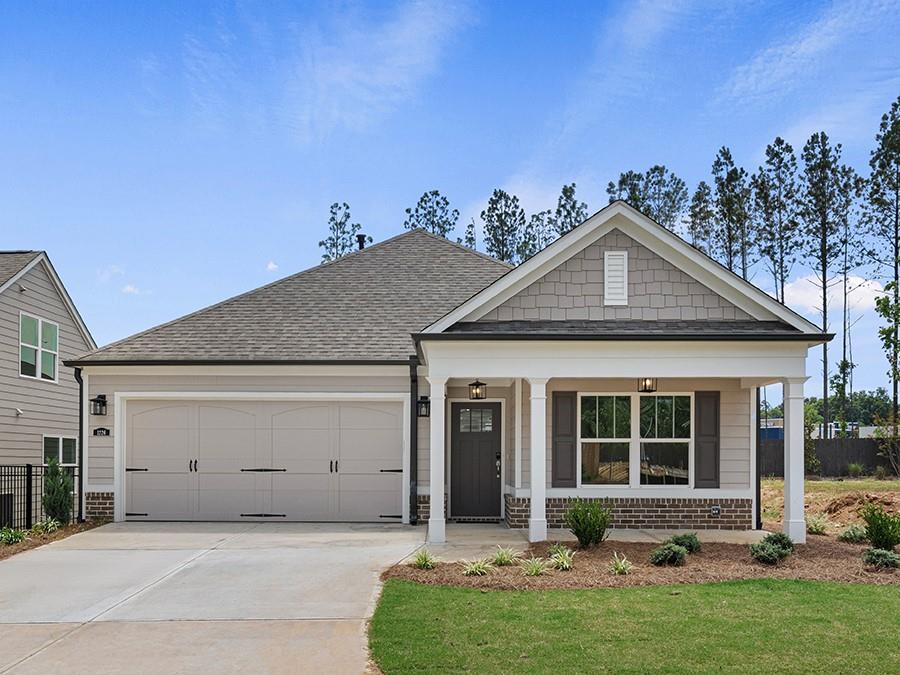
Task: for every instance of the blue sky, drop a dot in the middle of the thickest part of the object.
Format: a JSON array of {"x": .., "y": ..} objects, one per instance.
[{"x": 170, "y": 155}]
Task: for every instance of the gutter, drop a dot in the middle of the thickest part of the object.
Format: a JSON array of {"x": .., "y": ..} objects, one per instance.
[
  {"x": 80, "y": 381},
  {"x": 413, "y": 441},
  {"x": 235, "y": 362},
  {"x": 817, "y": 338}
]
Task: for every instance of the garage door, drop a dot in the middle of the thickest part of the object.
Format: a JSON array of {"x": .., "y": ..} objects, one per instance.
[{"x": 220, "y": 460}]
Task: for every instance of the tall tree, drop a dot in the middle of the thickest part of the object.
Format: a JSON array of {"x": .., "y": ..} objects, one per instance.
[
  {"x": 470, "y": 239},
  {"x": 432, "y": 213},
  {"x": 538, "y": 233},
  {"x": 701, "y": 217},
  {"x": 341, "y": 238},
  {"x": 821, "y": 199},
  {"x": 503, "y": 224},
  {"x": 630, "y": 188},
  {"x": 733, "y": 235},
  {"x": 570, "y": 213},
  {"x": 884, "y": 215},
  {"x": 665, "y": 195},
  {"x": 775, "y": 208}
]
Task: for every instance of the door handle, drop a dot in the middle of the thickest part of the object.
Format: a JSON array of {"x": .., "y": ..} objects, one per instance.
[
  {"x": 335, "y": 466},
  {"x": 331, "y": 466}
]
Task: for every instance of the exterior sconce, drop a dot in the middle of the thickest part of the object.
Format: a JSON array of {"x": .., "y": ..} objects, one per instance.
[
  {"x": 98, "y": 405},
  {"x": 423, "y": 407},
  {"x": 647, "y": 385},
  {"x": 477, "y": 390}
]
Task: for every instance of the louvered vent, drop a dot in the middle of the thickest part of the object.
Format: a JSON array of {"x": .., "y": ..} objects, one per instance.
[{"x": 615, "y": 278}]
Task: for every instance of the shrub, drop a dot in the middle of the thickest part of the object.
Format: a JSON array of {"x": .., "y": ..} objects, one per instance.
[
  {"x": 533, "y": 567},
  {"x": 476, "y": 568},
  {"x": 424, "y": 560},
  {"x": 504, "y": 557},
  {"x": 48, "y": 526},
  {"x": 688, "y": 541},
  {"x": 768, "y": 553},
  {"x": 854, "y": 534},
  {"x": 817, "y": 524},
  {"x": 58, "y": 486},
  {"x": 588, "y": 521},
  {"x": 620, "y": 566},
  {"x": 555, "y": 548},
  {"x": 881, "y": 559},
  {"x": 9, "y": 535},
  {"x": 880, "y": 472},
  {"x": 669, "y": 554},
  {"x": 855, "y": 469},
  {"x": 882, "y": 529},
  {"x": 563, "y": 559},
  {"x": 781, "y": 540}
]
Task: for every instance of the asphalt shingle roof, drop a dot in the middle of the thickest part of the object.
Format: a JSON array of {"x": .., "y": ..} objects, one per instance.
[
  {"x": 11, "y": 263},
  {"x": 362, "y": 307}
]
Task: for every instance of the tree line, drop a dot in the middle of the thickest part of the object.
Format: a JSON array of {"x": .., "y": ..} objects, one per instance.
[{"x": 810, "y": 210}]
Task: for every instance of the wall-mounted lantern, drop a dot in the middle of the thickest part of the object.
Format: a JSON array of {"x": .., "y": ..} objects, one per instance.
[
  {"x": 423, "y": 407},
  {"x": 477, "y": 390},
  {"x": 647, "y": 385},
  {"x": 98, "y": 405}
]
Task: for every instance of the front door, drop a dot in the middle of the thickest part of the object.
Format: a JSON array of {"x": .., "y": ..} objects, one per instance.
[{"x": 475, "y": 460}]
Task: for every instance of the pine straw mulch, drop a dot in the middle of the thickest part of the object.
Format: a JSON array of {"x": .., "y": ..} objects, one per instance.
[
  {"x": 36, "y": 540},
  {"x": 821, "y": 559}
]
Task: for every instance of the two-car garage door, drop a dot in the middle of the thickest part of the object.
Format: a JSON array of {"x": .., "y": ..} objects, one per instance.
[{"x": 245, "y": 460}]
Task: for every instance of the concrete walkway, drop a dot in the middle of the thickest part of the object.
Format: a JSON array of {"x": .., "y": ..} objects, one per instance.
[{"x": 197, "y": 597}]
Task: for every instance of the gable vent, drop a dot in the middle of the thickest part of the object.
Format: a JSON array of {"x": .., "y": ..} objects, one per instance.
[{"x": 615, "y": 278}]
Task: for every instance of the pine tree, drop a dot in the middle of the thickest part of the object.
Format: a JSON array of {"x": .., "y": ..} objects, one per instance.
[
  {"x": 629, "y": 188},
  {"x": 701, "y": 217},
  {"x": 733, "y": 235},
  {"x": 470, "y": 239},
  {"x": 570, "y": 213},
  {"x": 503, "y": 224},
  {"x": 341, "y": 238},
  {"x": 538, "y": 233},
  {"x": 665, "y": 196},
  {"x": 432, "y": 213}
]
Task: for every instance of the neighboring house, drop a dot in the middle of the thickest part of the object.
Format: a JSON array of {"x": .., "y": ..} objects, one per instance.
[
  {"x": 619, "y": 363},
  {"x": 39, "y": 414}
]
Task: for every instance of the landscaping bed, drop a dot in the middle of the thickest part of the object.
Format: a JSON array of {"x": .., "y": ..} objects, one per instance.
[
  {"x": 837, "y": 500},
  {"x": 34, "y": 540}
]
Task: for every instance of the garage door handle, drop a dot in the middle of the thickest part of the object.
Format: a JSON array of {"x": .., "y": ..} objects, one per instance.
[{"x": 262, "y": 470}]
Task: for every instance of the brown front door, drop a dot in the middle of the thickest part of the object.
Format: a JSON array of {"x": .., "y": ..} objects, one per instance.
[{"x": 475, "y": 460}]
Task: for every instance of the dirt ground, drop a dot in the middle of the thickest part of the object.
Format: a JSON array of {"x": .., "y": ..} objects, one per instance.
[{"x": 35, "y": 540}]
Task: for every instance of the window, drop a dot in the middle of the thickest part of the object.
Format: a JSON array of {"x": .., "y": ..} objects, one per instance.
[
  {"x": 665, "y": 426},
  {"x": 476, "y": 420},
  {"x": 605, "y": 432},
  {"x": 38, "y": 348},
  {"x": 615, "y": 278},
  {"x": 61, "y": 448}
]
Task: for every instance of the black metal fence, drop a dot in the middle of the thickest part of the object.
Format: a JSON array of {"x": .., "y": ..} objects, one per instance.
[
  {"x": 22, "y": 494},
  {"x": 835, "y": 454}
]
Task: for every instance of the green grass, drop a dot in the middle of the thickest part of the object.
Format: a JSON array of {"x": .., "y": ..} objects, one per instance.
[{"x": 761, "y": 625}]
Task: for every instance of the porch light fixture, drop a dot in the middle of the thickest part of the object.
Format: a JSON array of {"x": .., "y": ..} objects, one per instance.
[
  {"x": 98, "y": 405},
  {"x": 647, "y": 385},
  {"x": 477, "y": 390},
  {"x": 423, "y": 407}
]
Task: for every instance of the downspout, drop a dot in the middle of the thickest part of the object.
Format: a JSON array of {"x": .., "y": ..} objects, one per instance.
[
  {"x": 758, "y": 465},
  {"x": 80, "y": 381},
  {"x": 413, "y": 440}
]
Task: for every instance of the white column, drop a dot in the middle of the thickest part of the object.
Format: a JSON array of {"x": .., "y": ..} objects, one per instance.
[
  {"x": 794, "y": 473},
  {"x": 537, "y": 522},
  {"x": 436, "y": 527},
  {"x": 518, "y": 433}
]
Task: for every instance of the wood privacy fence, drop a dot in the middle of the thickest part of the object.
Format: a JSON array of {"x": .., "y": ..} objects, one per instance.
[{"x": 834, "y": 453}]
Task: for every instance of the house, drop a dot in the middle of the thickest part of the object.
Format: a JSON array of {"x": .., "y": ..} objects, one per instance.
[
  {"x": 417, "y": 380},
  {"x": 39, "y": 406}
]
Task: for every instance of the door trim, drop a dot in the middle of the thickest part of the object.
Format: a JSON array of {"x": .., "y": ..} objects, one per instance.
[
  {"x": 448, "y": 447},
  {"x": 121, "y": 399}
]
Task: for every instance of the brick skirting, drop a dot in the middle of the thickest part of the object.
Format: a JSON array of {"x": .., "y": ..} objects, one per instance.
[
  {"x": 647, "y": 512},
  {"x": 99, "y": 505},
  {"x": 423, "y": 508}
]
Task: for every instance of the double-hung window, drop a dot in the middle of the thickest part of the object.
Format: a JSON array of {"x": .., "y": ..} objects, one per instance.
[
  {"x": 61, "y": 448},
  {"x": 38, "y": 348},
  {"x": 665, "y": 427},
  {"x": 605, "y": 435}
]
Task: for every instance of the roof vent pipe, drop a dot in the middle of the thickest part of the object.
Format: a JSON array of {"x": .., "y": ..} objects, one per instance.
[{"x": 361, "y": 241}]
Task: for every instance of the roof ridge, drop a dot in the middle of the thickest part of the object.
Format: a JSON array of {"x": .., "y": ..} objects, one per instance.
[
  {"x": 23, "y": 250},
  {"x": 462, "y": 247}
]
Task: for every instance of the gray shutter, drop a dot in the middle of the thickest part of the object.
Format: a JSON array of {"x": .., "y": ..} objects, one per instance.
[
  {"x": 706, "y": 439},
  {"x": 565, "y": 436}
]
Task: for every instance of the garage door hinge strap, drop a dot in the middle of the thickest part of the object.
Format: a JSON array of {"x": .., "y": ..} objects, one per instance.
[
  {"x": 131, "y": 468},
  {"x": 130, "y": 513},
  {"x": 391, "y": 470},
  {"x": 263, "y": 515},
  {"x": 262, "y": 470},
  {"x": 390, "y": 516}
]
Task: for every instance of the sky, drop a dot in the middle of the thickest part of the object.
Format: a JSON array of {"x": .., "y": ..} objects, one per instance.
[{"x": 170, "y": 155}]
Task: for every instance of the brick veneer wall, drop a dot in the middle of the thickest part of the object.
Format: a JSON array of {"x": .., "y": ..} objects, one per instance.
[
  {"x": 99, "y": 505},
  {"x": 647, "y": 512}
]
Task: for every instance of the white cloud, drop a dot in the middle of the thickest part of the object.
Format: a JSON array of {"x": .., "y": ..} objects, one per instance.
[
  {"x": 131, "y": 289},
  {"x": 106, "y": 274},
  {"x": 271, "y": 266},
  {"x": 805, "y": 296}
]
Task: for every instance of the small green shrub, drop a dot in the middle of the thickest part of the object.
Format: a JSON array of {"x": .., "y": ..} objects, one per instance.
[
  {"x": 533, "y": 567},
  {"x": 588, "y": 520},
  {"x": 620, "y": 566},
  {"x": 854, "y": 534},
  {"x": 476, "y": 568},
  {"x": 882, "y": 529},
  {"x": 48, "y": 526},
  {"x": 781, "y": 540},
  {"x": 669, "y": 554},
  {"x": 855, "y": 469},
  {"x": 9, "y": 535},
  {"x": 768, "y": 553},
  {"x": 688, "y": 541},
  {"x": 424, "y": 560},
  {"x": 555, "y": 548},
  {"x": 563, "y": 559},
  {"x": 881, "y": 472},
  {"x": 817, "y": 525},
  {"x": 504, "y": 557},
  {"x": 881, "y": 559},
  {"x": 58, "y": 486}
]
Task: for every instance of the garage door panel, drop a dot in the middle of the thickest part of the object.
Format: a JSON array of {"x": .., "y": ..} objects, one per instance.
[
  {"x": 369, "y": 497},
  {"x": 302, "y": 450},
  {"x": 230, "y": 496},
  {"x": 302, "y": 496},
  {"x": 161, "y": 496}
]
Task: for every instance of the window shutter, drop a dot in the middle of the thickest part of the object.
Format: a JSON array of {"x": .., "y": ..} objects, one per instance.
[
  {"x": 615, "y": 278},
  {"x": 706, "y": 439},
  {"x": 565, "y": 436}
]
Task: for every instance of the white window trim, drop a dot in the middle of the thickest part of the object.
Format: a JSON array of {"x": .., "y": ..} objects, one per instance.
[
  {"x": 634, "y": 445},
  {"x": 40, "y": 349},
  {"x": 60, "y": 437},
  {"x": 615, "y": 301}
]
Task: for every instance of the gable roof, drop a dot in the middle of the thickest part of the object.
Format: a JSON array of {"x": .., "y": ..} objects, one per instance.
[
  {"x": 624, "y": 217},
  {"x": 361, "y": 308},
  {"x": 14, "y": 265}
]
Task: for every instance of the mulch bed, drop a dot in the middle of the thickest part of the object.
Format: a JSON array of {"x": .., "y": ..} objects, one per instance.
[
  {"x": 36, "y": 540},
  {"x": 821, "y": 559}
]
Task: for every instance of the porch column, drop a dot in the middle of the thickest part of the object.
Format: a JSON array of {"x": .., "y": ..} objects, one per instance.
[
  {"x": 537, "y": 522},
  {"x": 436, "y": 529},
  {"x": 794, "y": 470}
]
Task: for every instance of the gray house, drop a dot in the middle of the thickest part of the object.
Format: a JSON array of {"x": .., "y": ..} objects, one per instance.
[
  {"x": 417, "y": 380},
  {"x": 41, "y": 329}
]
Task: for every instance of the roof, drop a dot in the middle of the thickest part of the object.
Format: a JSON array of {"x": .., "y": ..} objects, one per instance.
[
  {"x": 636, "y": 329},
  {"x": 13, "y": 262},
  {"x": 361, "y": 308}
]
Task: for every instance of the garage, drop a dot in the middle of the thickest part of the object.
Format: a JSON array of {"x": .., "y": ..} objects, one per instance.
[{"x": 264, "y": 460}]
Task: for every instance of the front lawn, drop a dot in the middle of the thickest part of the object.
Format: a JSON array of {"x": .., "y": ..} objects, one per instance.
[{"x": 760, "y": 625}]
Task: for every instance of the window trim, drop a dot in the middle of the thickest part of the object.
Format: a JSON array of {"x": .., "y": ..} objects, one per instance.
[
  {"x": 626, "y": 439},
  {"x": 689, "y": 440},
  {"x": 40, "y": 349},
  {"x": 59, "y": 437}
]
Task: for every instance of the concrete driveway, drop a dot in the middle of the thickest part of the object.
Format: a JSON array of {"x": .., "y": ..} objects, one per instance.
[{"x": 197, "y": 597}]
